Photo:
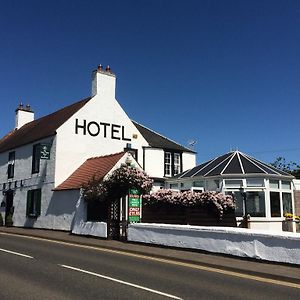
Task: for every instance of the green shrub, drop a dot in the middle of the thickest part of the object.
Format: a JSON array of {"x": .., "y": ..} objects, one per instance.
[{"x": 9, "y": 220}]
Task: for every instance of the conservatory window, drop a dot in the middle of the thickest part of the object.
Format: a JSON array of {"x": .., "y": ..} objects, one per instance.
[
  {"x": 275, "y": 204},
  {"x": 255, "y": 204},
  {"x": 173, "y": 185},
  {"x": 199, "y": 183},
  {"x": 254, "y": 182},
  {"x": 274, "y": 184},
  {"x": 287, "y": 203},
  {"x": 285, "y": 185},
  {"x": 233, "y": 183},
  {"x": 239, "y": 205}
]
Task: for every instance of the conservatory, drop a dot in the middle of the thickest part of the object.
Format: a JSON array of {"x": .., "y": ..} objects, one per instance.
[{"x": 264, "y": 195}]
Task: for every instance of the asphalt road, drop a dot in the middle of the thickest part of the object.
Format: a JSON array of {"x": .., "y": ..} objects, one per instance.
[{"x": 36, "y": 269}]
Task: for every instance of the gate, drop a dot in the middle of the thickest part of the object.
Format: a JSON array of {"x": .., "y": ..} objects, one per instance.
[{"x": 114, "y": 220}]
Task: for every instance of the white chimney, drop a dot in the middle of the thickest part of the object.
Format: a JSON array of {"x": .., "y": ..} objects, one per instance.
[
  {"x": 23, "y": 115},
  {"x": 103, "y": 82}
]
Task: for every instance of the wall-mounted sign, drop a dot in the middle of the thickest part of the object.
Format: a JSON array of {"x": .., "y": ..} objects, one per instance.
[
  {"x": 45, "y": 151},
  {"x": 106, "y": 130},
  {"x": 134, "y": 206}
]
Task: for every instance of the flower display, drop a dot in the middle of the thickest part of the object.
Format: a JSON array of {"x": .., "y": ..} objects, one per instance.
[
  {"x": 117, "y": 184},
  {"x": 216, "y": 201}
]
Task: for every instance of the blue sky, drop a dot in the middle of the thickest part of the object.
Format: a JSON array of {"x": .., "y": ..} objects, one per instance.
[{"x": 223, "y": 73}]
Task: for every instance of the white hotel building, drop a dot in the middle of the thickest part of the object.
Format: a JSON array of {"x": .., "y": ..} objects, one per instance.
[{"x": 38, "y": 156}]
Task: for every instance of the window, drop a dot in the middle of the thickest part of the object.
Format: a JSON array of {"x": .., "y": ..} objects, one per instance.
[
  {"x": 255, "y": 204},
  {"x": 176, "y": 163},
  {"x": 275, "y": 204},
  {"x": 199, "y": 183},
  {"x": 11, "y": 164},
  {"x": 167, "y": 164},
  {"x": 285, "y": 185},
  {"x": 274, "y": 184},
  {"x": 172, "y": 164},
  {"x": 174, "y": 186},
  {"x": 287, "y": 203},
  {"x": 239, "y": 203},
  {"x": 35, "y": 159},
  {"x": 33, "y": 209},
  {"x": 254, "y": 182},
  {"x": 233, "y": 183}
]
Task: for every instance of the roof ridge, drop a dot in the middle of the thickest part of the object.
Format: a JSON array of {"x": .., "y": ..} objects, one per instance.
[{"x": 161, "y": 135}]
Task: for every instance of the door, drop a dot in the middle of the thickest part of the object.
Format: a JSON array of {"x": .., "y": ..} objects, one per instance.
[{"x": 9, "y": 208}]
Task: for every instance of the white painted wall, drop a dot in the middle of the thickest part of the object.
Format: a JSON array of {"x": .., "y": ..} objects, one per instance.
[
  {"x": 283, "y": 247},
  {"x": 154, "y": 162},
  {"x": 188, "y": 161},
  {"x": 73, "y": 149}
]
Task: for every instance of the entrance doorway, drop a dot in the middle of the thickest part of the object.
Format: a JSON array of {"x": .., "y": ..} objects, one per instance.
[{"x": 9, "y": 208}]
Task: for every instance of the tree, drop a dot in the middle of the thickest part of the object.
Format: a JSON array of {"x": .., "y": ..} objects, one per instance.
[{"x": 289, "y": 167}]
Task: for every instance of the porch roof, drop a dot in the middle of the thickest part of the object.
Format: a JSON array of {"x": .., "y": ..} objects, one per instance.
[{"x": 92, "y": 167}]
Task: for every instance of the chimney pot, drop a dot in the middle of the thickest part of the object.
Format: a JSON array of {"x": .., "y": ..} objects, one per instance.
[
  {"x": 108, "y": 69},
  {"x": 100, "y": 68},
  {"x": 28, "y": 107}
]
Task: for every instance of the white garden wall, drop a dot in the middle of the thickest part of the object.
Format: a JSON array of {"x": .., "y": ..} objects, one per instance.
[{"x": 282, "y": 247}]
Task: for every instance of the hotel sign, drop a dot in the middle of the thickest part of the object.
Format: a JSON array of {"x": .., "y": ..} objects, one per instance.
[
  {"x": 45, "y": 151},
  {"x": 134, "y": 206},
  {"x": 106, "y": 130}
]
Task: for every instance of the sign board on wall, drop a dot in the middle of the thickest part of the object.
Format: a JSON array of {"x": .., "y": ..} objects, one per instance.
[
  {"x": 134, "y": 206},
  {"x": 45, "y": 151}
]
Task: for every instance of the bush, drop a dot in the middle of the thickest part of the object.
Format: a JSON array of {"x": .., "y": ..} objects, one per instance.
[
  {"x": 9, "y": 220},
  {"x": 1, "y": 220}
]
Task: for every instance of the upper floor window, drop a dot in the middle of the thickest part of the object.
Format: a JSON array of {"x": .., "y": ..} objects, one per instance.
[
  {"x": 11, "y": 164},
  {"x": 172, "y": 164},
  {"x": 35, "y": 159}
]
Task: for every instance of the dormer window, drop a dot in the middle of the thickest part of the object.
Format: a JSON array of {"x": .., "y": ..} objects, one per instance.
[{"x": 11, "y": 164}]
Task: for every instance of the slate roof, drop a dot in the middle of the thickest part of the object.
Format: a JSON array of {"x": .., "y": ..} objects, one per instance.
[
  {"x": 232, "y": 163},
  {"x": 40, "y": 128},
  {"x": 96, "y": 166},
  {"x": 156, "y": 140}
]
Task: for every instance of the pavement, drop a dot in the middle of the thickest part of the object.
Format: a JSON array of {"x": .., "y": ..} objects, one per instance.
[{"x": 283, "y": 272}]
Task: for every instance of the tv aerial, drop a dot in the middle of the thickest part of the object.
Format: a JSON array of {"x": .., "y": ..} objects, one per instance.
[{"x": 192, "y": 143}]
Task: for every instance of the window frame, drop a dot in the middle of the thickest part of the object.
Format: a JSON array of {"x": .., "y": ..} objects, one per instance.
[
  {"x": 35, "y": 168},
  {"x": 33, "y": 204},
  {"x": 172, "y": 167},
  {"x": 11, "y": 164}
]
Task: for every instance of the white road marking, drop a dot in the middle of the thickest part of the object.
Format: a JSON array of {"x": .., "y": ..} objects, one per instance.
[
  {"x": 15, "y": 253},
  {"x": 166, "y": 261},
  {"x": 122, "y": 282}
]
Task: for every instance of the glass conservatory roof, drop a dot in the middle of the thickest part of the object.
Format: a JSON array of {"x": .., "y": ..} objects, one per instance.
[{"x": 232, "y": 163}]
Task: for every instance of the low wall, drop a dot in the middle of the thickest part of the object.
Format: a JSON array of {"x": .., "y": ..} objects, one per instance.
[
  {"x": 283, "y": 247},
  {"x": 81, "y": 227}
]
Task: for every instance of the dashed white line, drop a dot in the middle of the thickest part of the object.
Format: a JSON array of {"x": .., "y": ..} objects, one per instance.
[
  {"x": 122, "y": 282},
  {"x": 15, "y": 253}
]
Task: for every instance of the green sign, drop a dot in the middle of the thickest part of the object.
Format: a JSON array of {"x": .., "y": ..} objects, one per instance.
[
  {"x": 45, "y": 151},
  {"x": 134, "y": 206}
]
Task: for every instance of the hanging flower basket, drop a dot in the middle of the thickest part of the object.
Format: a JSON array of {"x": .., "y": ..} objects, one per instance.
[{"x": 117, "y": 184}]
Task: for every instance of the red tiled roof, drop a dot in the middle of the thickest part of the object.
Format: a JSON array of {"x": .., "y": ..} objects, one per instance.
[
  {"x": 40, "y": 128},
  {"x": 96, "y": 166}
]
